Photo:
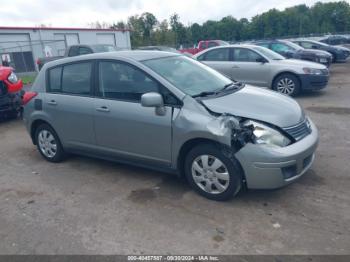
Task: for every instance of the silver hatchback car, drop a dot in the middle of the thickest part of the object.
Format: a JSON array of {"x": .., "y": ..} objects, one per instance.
[{"x": 169, "y": 112}]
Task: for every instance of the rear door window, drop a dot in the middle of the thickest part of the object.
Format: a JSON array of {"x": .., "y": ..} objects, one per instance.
[
  {"x": 245, "y": 55},
  {"x": 84, "y": 51},
  {"x": 55, "y": 77},
  {"x": 278, "y": 47},
  {"x": 71, "y": 79},
  {"x": 121, "y": 81},
  {"x": 220, "y": 54},
  {"x": 76, "y": 79}
]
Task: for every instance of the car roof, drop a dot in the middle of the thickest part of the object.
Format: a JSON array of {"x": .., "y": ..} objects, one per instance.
[{"x": 135, "y": 55}]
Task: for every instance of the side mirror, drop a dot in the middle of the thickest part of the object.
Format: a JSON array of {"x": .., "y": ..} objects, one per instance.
[
  {"x": 153, "y": 99},
  {"x": 261, "y": 60}
]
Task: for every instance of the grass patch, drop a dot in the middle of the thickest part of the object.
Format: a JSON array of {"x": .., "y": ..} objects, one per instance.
[{"x": 28, "y": 79}]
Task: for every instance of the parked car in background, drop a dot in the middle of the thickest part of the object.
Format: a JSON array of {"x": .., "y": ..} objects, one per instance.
[
  {"x": 10, "y": 93},
  {"x": 259, "y": 66},
  {"x": 76, "y": 50},
  {"x": 336, "y": 40},
  {"x": 340, "y": 54},
  {"x": 202, "y": 45},
  {"x": 170, "y": 112},
  {"x": 158, "y": 48},
  {"x": 291, "y": 50}
]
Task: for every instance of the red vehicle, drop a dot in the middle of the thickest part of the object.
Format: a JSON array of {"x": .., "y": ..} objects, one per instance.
[
  {"x": 10, "y": 93},
  {"x": 205, "y": 44}
]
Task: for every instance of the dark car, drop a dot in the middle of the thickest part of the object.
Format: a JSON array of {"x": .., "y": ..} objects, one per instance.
[
  {"x": 340, "y": 54},
  {"x": 76, "y": 50},
  {"x": 336, "y": 40},
  {"x": 158, "y": 48},
  {"x": 10, "y": 93},
  {"x": 290, "y": 50}
]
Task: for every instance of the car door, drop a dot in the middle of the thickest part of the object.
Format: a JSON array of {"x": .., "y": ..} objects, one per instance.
[
  {"x": 219, "y": 59},
  {"x": 248, "y": 68},
  {"x": 68, "y": 103},
  {"x": 124, "y": 127}
]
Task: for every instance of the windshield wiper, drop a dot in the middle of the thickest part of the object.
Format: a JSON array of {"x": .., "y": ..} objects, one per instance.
[
  {"x": 205, "y": 93},
  {"x": 231, "y": 86}
]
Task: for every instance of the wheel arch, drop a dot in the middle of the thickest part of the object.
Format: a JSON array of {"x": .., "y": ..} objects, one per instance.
[
  {"x": 191, "y": 143},
  {"x": 36, "y": 123},
  {"x": 282, "y": 73}
]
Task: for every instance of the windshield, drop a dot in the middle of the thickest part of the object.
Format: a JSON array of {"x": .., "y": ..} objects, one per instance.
[
  {"x": 293, "y": 45},
  {"x": 104, "y": 48},
  {"x": 188, "y": 75},
  {"x": 268, "y": 53},
  {"x": 222, "y": 42},
  {"x": 318, "y": 43}
]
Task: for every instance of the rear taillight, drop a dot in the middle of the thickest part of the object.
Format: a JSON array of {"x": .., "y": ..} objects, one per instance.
[
  {"x": 38, "y": 61},
  {"x": 28, "y": 96}
]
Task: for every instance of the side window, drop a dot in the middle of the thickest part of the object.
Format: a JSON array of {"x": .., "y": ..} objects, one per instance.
[
  {"x": 212, "y": 44},
  {"x": 84, "y": 51},
  {"x": 203, "y": 45},
  {"x": 76, "y": 78},
  {"x": 55, "y": 75},
  {"x": 245, "y": 55},
  {"x": 221, "y": 54},
  {"x": 306, "y": 45},
  {"x": 123, "y": 81},
  {"x": 73, "y": 51},
  {"x": 278, "y": 47},
  {"x": 267, "y": 45}
]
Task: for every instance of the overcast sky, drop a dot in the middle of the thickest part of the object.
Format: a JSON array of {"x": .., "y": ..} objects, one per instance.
[{"x": 74, "y": 13}]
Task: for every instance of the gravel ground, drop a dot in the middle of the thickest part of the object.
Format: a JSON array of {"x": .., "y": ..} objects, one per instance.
[{"x": 88, "y": 206}]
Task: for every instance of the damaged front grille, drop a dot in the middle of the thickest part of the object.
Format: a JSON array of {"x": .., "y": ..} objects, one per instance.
[
  {"x": 3, "y": 89},
  {"x": 299, "y": 131}
]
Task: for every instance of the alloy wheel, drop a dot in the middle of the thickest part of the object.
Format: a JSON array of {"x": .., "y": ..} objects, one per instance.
[
  {"x": 286, "y": 86},
  {"x": 210, "y": 174},
  {"x": 47, "y": 143}
]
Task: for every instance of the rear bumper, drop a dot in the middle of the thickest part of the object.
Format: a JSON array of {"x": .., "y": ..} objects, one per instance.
[
  {"x": 313, "y": 82},
  {"x": 269, "y": 168}
]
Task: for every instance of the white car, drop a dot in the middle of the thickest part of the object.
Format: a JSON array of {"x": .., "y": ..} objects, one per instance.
[{"x": 260, "y": 66}]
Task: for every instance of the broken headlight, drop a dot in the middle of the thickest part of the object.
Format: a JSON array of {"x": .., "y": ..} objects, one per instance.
[
  {"x": 266, "y": 135},
  {"x": 12, "y": 78}
]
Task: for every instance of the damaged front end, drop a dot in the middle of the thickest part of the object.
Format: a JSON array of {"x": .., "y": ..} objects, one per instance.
[{"x": 233, "y": 127}]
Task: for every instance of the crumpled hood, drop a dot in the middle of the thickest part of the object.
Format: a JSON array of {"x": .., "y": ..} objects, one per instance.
[{"x": 259, "y": 104}]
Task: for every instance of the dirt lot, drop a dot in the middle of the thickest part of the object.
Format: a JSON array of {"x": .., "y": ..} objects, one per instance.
[{"x": 88, "y": 206}]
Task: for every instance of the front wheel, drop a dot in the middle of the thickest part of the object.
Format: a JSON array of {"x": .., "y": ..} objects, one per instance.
[
  {"x": 287, "y": 84},
  {"x": 212, "y": 173}
]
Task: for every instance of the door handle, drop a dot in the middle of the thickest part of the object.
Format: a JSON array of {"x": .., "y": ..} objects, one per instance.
[
  {"x": 52, "y": 102},
  {"x": 235, "y": 66},
  {"x": 102, "y": 109}
]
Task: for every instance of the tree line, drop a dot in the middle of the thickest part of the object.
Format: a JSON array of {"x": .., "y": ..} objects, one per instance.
[{"x": 298, "y": 20}]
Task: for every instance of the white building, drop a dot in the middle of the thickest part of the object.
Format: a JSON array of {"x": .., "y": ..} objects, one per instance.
[{"x": 22, "y": 46}]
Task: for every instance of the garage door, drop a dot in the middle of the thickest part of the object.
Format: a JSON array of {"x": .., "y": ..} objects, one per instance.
[{"x": 107, "y": 39}]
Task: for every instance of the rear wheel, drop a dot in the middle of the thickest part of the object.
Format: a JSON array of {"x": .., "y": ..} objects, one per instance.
[
  {"x": 287, "y": 84},
  {"x": 213, "y": 174},
  {"x": 49, "y": 144}
]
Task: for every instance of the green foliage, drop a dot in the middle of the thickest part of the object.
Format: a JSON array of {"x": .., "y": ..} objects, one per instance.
[{"x": 294, "y": 21}]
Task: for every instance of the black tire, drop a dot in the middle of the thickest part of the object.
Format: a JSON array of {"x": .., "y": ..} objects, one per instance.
[
  {"x": 290, "y": 77},
  {"x": 232, "y": 165},
  {"x": 59, "y": 154}
]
